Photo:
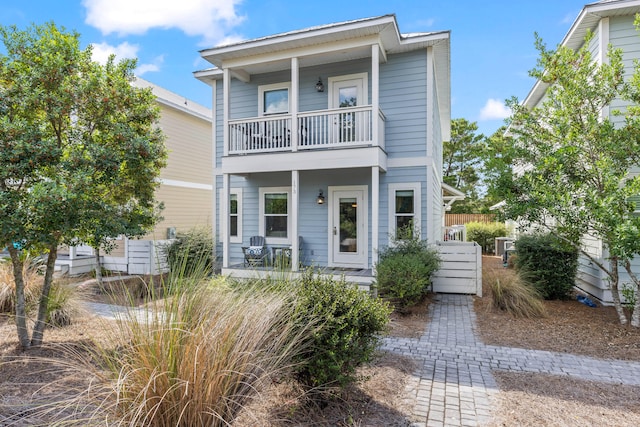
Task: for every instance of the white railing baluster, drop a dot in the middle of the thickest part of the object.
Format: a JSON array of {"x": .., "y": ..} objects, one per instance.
[{"x": 334, "y": 128}]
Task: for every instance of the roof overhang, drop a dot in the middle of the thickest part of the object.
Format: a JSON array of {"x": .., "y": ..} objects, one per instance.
[
  {"x": 587, "y": 20},
  {"x": 337, "y": 42},
  {"x": 450, "y": 195}
]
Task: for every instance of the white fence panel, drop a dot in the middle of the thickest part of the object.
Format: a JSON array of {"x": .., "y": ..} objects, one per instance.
[
  {"x": 461, "y": 268},
  {"x": 147, "y": 257}
]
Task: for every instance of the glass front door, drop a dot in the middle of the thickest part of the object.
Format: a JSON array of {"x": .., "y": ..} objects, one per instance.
[{"x": 348, "y": 228}]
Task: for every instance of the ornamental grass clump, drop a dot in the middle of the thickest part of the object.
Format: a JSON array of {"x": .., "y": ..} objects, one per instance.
[
  {"x": 200, "y": 355},
  {"x": 63, "y": 302},
  {"x": 512, "y": 294}
]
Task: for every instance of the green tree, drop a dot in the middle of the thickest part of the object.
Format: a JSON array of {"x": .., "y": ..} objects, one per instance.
[
  {"x": 497, "y": 166},
  {"x": 75, "y": 140},
  {"x": 462, "y": 160},
  {"x": 572, "y": 162}
]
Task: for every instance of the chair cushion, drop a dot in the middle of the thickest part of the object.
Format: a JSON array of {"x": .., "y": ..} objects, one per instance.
[{"x": 254, "y": 250}]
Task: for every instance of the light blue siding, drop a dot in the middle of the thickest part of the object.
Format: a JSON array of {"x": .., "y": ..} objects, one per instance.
[
  {"x": 403, "y": 100},
  {"x": 403, "y": 93}
]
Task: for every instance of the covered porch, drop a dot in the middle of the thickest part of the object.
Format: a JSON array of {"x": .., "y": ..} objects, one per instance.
[{"x": 363, "y": 277}]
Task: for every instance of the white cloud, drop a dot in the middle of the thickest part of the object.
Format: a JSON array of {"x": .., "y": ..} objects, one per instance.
[
  {"x": 494, "y": 109},
  {"x": 102, "y": 51},
  {"x": 209, "y": 19},
  {"x": 148, "y": 68}
]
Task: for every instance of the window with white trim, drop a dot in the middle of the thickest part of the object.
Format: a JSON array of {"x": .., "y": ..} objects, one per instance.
[
  {"x": 235, "y": 215},
  {"x": 275, "y": 209},
  {"x": 274, "y": 98},
  {"x": 404, "y": 209}
]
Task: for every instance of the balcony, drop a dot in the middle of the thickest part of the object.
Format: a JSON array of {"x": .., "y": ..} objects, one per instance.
[{"x": 316, "y": 130}]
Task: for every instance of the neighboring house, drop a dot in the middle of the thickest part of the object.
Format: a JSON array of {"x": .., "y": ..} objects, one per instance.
[
  {"x": 185, "y": 190},
  {"x": 611, "y": 22},
  {"x": 327, "y": 140}
]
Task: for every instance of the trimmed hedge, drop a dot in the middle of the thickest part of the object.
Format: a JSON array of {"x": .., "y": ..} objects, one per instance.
[
  {"x": 350, "y": 325},
  {"x": 403, "y": 274},
  {"x": 547, "y": 263},
  {"x": 485, "y": 234}
]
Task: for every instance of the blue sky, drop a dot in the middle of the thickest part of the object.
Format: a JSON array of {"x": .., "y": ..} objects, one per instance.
[{"x": 491, "y": 41}]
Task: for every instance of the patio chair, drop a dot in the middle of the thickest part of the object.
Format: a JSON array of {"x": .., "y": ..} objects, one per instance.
[
  {"x": 256, "y": 253},
  {"x": 283, "y": 257}
]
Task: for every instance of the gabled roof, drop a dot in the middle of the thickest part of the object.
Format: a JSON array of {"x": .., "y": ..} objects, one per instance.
[
  {"x": 173, "y": 100},
  {"x": 587, "y": 20}
]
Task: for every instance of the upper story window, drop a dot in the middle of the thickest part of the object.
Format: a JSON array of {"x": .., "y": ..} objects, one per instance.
[
  {"x": 274, "y": 98},
  {"x": 404, "y": 209}
]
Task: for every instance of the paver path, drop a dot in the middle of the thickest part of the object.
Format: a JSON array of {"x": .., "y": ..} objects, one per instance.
[{"x": 453, "y": 385}]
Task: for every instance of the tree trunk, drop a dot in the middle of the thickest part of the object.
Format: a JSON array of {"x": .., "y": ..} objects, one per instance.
[
  {"x": 98, "y": 268},
  {"x": 38, "y": 329},
  {"x": 615, "y": 293},
  {"x": 635, "y": 316},
  {"x": 21, "y": 313}
]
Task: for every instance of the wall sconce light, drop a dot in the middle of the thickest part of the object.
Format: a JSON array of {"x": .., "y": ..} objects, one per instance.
[
  {"x": 320, "y": 198},
  {"x": 320, "y": 85}
]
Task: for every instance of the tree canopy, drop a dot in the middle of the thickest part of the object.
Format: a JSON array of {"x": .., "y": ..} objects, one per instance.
[
  {"x": 80, "y": 151},
  {"x": 572, "y": 155},
  {"x": 462, "y": 164}
]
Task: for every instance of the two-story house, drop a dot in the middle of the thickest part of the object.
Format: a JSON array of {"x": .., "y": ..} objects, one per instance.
[
  {"x": 612, "y": 23},
  {"x": 328, "y": 140}
]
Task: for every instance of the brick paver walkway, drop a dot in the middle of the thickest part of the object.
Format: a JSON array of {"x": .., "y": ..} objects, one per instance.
[{"x": 453, "y": 385}]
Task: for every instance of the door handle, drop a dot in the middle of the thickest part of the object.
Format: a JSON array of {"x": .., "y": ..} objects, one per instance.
[{"x": 335, "y": 232}]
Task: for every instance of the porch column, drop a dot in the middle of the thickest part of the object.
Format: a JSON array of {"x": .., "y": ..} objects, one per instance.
[
  {"x": 375, "y": 93},
  {"x": 72, "y": 252},
  {"x": 375, "y": 214},
  {"x": 295, "y": 206},
  {"x": 226, "y": 83},
  {"x": 224, "y": 219},
  {"x": 295, "y": 86}
]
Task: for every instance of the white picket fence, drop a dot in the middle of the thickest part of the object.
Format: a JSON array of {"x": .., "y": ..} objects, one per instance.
[{"x": 461, "y": 268}]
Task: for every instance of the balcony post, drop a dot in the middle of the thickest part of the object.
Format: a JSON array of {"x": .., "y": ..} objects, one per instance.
[
  {"x": 226, "y": 83},
  {"x": 375, "y": 93},
  {"x": 224, "y": 219},
  {"x": 295, "y": 207},
  {"x": 295, "y": 90}
]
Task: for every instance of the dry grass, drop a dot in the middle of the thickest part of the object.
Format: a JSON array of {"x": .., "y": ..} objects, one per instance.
[
  {"x": 513, "y": 295},
  {"x": 32, "y": 285},
  {"x": 200, "y": 357}
]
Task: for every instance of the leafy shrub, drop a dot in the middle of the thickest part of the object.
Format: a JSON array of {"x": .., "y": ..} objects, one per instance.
[
  {"x": 629, "y": 295},
  {"x": 350, "y": 324},
  {"x": 485, "y": 234},
  {"x": 191, "y": 252},
  {"x": 403, "y": 273},
  {"x": 547, "y": 263},
  {"x": 510, "y": 293}
]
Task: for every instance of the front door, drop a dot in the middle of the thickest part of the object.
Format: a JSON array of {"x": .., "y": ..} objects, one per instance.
[
  {"x": 345, "y": 92},
  {"x": 348, "y": 241}
]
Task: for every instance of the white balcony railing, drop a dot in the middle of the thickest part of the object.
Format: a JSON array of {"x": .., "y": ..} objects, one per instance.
[{"x": 344, "y": 127}]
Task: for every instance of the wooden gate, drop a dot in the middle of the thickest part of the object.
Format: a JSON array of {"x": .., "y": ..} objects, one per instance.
[{"x": 461, "y": 268}]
